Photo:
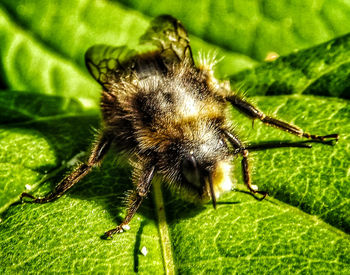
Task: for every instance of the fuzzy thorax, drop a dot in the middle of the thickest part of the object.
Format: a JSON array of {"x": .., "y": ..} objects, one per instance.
[{"x": 165, "y": 118}]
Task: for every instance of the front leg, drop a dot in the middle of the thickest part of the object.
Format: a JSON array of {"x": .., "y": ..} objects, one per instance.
[
  {"x": 245, "y": 165},
  {"x": 98, "y": 152},
  {"x": 254, "y": 113},
  {"x": 135, "y": 199}
]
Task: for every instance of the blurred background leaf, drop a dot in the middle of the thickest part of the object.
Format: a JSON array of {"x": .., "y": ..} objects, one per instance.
[{"x": 255, "y": 28}]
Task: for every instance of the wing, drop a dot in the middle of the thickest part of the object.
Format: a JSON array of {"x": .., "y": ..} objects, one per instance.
[
  {"x": 106, "y": 62},
  {"x": 170, "y": 36},
  {"x": 164, "y": 43}
]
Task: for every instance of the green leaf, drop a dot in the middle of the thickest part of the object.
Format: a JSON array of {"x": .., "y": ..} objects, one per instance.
[
  {"x": 26, "y": 64},
  {"x": 255, "y": 28},
  {"x": 56, "y": 50},
  {"x": 20, "y": 106},
  {"x": 242, "y": 234},
  {"x": 65, "y": 237},
  {"x": 45, "y": 128},
  {"x": 321, "y": 70},
  {"x": 30, "y": 127},
  {"x": 325, "y": 165}
]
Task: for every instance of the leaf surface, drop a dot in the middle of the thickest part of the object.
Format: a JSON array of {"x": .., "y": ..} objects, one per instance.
[
  {"x": 320, "y": 70},
  {"x": 308, "y": 201},
  {"x": 49, "y": 108},
  {"x": 256, "y": 28}
]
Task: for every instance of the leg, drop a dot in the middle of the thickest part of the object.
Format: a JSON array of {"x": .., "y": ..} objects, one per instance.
[
  {"x": 284, "y": 144},
  {"x": 135, "y": 199},
  {"x": 97, "y": 154},
  {"x": 278, "y": 144},
  {"x": 275, "y": 144},
  {"x": 245, "y": 166},
  {"x": 252, "y": 112}
]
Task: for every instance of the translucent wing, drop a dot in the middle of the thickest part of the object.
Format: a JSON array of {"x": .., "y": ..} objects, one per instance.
[
  {"x": 171, "y": 37},
  {"x": 106, "y": 62},
  {"x": 164, "y": 43}
]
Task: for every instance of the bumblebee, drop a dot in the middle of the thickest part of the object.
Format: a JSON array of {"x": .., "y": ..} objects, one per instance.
[{"x": 169, "y": 116}]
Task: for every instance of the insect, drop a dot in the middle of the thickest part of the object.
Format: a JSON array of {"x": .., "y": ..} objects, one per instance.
[{"x": 169, "y": 115}]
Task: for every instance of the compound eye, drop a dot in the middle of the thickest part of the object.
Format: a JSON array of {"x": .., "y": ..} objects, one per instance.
[{"x": 190, "y": 171}]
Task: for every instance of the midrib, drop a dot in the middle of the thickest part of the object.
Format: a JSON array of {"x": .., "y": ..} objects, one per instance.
[{"x": 165, "y": 241}]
